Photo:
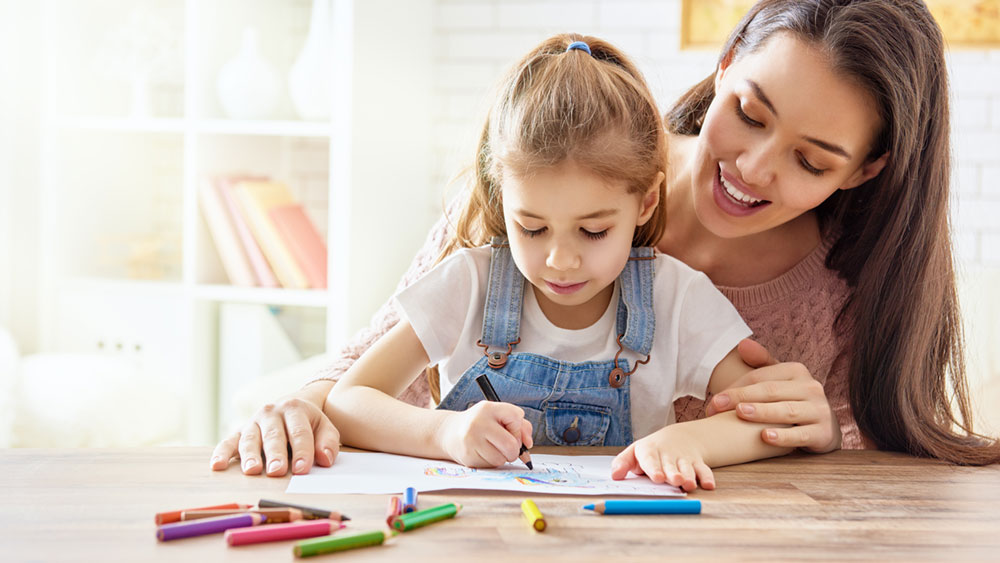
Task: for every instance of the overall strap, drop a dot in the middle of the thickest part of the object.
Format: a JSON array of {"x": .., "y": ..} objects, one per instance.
[
  {"x": 636, "y": 320},
  {"x": 504, "y": 298}
]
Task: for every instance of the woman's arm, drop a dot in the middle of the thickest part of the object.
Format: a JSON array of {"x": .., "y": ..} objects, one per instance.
[
  {"x": 363, "y": 407},
  {"x": 683, "y": 454},
  {"x": 784, "y": 397}
]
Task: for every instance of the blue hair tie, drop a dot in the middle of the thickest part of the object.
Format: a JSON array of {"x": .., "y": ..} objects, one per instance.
[{"x": 579, "y": 45}]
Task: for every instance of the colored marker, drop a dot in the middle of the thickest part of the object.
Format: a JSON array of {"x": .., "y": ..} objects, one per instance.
[
  {"x": 409, "y": 500},
  {"x": 534, "y": 516},
  {"x": 491, "y": 395},
  {"x": 206, "y": 526},
  {"x": 278, "y": 532},
  {"x": 329, "y": 544},
  {"x": 274, "y": 515},
  {"x": 655, "y": 506},
  {"x": 407, "y": 522},
  {"x": 394, "y": 510},
  {"x": 175, "y": 515},
  {"x": 308, "y": 513}
]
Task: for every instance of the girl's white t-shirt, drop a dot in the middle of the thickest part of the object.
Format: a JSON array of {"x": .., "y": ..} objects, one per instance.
[{"x": 696, "y": 326}]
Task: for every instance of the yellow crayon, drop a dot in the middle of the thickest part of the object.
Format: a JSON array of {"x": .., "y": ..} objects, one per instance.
[{"x": 533, "y": 515}]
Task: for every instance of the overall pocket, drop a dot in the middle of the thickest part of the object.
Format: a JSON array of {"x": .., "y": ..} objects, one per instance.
[{"x": 573, "y": 424}]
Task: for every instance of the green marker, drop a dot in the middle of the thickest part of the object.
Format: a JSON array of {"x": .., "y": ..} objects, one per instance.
[
  {"x": 337, "y": 542},
  {"x": 412, "y": 520}
]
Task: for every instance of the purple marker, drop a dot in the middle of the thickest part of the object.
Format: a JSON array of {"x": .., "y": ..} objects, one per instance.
[{"x": 204, "y": 526}]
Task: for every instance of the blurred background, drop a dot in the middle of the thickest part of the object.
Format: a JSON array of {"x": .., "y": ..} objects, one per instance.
[{"x": 202, "y": 199}]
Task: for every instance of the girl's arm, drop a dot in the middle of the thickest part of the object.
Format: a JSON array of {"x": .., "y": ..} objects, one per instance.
[
  {"x": 683, "y": 454},
  {"x": 364, "y": 408}
]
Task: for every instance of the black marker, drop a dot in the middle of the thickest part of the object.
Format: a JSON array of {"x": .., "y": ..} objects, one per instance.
[{"x": 491, "y": 395}]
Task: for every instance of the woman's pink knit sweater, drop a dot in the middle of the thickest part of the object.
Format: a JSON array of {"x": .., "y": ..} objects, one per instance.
[{"x": 792, "y": 316}]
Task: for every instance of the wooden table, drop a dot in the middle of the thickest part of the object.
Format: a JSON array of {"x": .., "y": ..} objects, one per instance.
[{"x": 98, "y": 505}]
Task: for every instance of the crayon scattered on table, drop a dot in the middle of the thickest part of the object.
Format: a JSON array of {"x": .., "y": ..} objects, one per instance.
[
  {"x": 274, "y": 515},
  {"x": 175, "y": 515},
  {"x": 395, "y": 509},
  {"x": 329, "y": 544},
  {"x": 406, "y": 522},
  {"x": 205, "y": 526},
  {"x": 308, "y": 512},
  {"x": 409, "y": 500},
  {"x": 533, "y": 515},
  {"x": 278, "y": 532},
  {"x": 647, "y": 506}
]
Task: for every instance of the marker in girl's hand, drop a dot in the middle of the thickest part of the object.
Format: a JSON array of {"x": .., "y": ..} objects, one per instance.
[{"x": 491, "y": 395}]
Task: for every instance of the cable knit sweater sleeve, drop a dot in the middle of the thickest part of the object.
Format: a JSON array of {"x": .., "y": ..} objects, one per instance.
[{"x": 793, "y": 316}]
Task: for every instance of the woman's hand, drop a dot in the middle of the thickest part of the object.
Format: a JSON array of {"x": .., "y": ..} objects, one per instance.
[
  {"x": 670, "y": 455},
  {"x": 487, "y": 434},
  {"x": 780, "y": 393},
  {"x": 294, "y": 422}
]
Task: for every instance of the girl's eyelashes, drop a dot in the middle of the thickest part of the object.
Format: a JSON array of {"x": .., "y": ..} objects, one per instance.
[{"x": 531, "y": 234}]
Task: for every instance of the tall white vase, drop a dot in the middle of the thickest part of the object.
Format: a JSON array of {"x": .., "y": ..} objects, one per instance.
[
  {"x": 310, "y": 79},
  {"x": 248, "y": 85}
]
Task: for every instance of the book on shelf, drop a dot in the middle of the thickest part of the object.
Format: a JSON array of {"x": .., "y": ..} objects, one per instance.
[
  {"x": 303, "y": 241},
  {"x": 261, "y": 269},
  {"x": 256, "y": 199},
  {"x": 220, "y": 227}
]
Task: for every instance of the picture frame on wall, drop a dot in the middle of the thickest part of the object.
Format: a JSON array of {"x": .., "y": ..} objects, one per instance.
[{"x": 705, "y": 24}]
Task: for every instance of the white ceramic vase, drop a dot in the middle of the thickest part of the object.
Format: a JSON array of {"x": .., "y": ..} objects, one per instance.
[
  {"x": 248, "y": 85},
  {"x": 310, "y": 79}
]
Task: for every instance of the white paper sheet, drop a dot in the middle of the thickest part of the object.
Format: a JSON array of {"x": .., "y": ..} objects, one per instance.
[{"x": 378, "y": 473}]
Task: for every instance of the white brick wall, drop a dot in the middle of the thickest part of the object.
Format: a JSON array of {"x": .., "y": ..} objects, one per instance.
[{"x": 477, "y": 39}]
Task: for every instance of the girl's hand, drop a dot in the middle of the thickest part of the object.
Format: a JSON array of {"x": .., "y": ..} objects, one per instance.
[
  {"x": 670, "y": 455},
  {"x": 781, "y": 393},
  {"x": 486, "y": 435},
  {"x": 296, "y": 420}
]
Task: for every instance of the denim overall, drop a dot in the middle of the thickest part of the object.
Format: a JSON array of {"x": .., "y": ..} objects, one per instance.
[{"x": 578, "y": 404}]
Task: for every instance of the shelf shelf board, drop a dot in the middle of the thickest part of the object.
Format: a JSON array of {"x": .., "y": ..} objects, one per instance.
[
  {"x": 263, "y": 295},
  {"x": 275, "y": 128},
  {"x": 125, "y": 286},
  {"x": 126, "y": 124},
  {"x": 286, "y": 128}
]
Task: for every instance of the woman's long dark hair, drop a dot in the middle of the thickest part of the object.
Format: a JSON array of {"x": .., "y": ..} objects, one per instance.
[{"x": 907, "y": 374}]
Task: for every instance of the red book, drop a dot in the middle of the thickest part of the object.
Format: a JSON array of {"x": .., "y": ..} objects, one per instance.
[{"x": 303, "y": 241}]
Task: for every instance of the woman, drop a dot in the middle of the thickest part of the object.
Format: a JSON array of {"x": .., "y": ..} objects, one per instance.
[{"x": 809, "y": 180}]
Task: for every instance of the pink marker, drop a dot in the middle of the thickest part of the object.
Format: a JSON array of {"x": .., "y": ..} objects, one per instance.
[{"x": 278, "y": 532}]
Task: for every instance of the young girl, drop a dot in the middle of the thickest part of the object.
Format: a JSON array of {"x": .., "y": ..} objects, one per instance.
[{"x": 586, "y": 333}]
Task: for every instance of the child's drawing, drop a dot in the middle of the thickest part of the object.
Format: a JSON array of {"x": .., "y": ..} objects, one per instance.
[
  {"x": 554, "y": 474},
  {"x": 378, "y": 473}
]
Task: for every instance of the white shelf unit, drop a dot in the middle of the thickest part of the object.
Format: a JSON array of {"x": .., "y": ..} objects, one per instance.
[{"x": 119, "y": 191}]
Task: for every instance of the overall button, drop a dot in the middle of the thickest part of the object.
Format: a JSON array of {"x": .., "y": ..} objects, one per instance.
[
  {"x": 470, "y": 404},
  {"x": 572, "y": 434},
  {"x": 497, "y": 360}
]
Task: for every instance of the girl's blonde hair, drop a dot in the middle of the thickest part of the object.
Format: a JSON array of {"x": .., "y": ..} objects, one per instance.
[{"x": 557, "y": 105}]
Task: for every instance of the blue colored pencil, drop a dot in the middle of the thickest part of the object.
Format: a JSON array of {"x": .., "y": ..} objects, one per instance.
[
  {"x": 647, "y": 506},
  {"x": 409, "y": 500}
]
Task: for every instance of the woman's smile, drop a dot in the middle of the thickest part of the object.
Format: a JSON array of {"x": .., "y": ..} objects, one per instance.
[{"x": 732, "y": 197}]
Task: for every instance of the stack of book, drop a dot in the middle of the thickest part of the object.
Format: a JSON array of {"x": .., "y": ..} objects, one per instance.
[{"x": 263, "y": 235}]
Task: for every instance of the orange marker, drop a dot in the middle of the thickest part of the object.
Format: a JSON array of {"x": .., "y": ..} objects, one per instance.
[
  {"x": 394, "y": 510},
  {"x": 175, "y": 515},
  {"x": 278, "y": 532}
]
